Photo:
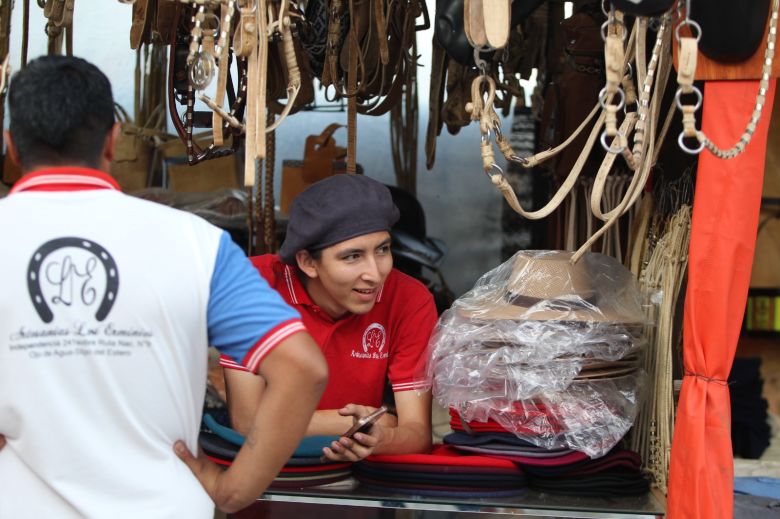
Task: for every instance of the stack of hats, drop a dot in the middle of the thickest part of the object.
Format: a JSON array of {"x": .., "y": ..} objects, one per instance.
[
  {"x": 304, "y": 469},
  {"x": 545, "y": 349},
  {"x": 443, "y": 473}
]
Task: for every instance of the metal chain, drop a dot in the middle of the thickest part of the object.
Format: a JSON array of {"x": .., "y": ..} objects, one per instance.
[
  {"x": 763, "y": 88},
  {"x": 644, "y": 95}
]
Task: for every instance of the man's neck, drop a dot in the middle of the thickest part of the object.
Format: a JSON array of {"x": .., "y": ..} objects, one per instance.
[{"x": 320, "y": 297}]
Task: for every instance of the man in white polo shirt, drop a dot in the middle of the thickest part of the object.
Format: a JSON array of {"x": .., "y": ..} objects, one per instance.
[{"x": 107, "y": 306}]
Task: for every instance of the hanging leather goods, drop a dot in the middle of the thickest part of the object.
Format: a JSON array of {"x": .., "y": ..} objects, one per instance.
[
  {"x": 59, "y": 25},
  {"x": 249, "y": 31},
  {"x": 283, "y": 26},
  {"x": 222, "y": 52},
  {"x": 649, "y": 108},
  {"x": 182, "y": 92},
  {"x": 322, "y": 158},
  {"x": 487, "y": 23},
  {"x": 686, "y": 72},
  {"x": 5, "y": 74},
  {"x": 330, "y": 74},
  {"x": 200, "y": 63},
  {"x": 352, "y": 90},
  {"x": 614, "y": 34},
  {"x": 261, "y": 15}
]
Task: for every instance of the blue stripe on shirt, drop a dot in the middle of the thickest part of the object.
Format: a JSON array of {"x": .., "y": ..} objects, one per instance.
[{"x": 242, "y": 307}]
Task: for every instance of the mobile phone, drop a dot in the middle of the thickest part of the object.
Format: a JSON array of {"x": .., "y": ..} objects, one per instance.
[{"x": 363, "y": 425}]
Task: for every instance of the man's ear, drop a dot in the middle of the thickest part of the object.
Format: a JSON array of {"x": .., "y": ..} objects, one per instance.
[
  {"x": 306, "y": 263},
  {"x": 11, "y": 148},
  {"x": 109, "y": 146}
]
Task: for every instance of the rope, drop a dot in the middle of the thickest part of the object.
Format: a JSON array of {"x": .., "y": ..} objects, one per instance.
[
  {"x": 663, "y": 273},
  {"x": 269, "y": 216}
]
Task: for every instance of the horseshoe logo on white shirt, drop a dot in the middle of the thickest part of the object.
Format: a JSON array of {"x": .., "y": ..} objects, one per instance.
[{"x": 71, "y": 277}]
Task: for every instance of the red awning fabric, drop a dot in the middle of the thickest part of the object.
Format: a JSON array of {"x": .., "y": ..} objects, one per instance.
[{"x": 723, "y": 235}]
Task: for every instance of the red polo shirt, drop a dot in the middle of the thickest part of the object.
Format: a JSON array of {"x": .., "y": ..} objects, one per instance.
[{"x": 361, "y": 350}]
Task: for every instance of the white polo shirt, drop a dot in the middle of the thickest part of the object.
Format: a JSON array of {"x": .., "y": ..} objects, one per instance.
[{"x": 107, "y": 306}]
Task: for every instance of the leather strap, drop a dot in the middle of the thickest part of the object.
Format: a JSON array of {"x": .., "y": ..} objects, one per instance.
[
  {"x": 25, "y": 30},
  {"x": 293, "y": 73},
  {"x": 250, "y": 136},
  {"x": 217, "y": 120},
  {"x": 496, "y": 16},
  {"x": 352, "y": 94},
  {"x": 439, "y": 62},
  {"x": 381, "y": 30},
  {"x": 262, "y": 76}
]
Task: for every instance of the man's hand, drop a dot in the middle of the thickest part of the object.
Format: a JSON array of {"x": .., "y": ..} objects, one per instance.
[
  {"x": 206, "y": 471},
  {"x": 296, "y": 375},
  {"x": 361, "y": 444},
  {"x": 2, "y": 441}
]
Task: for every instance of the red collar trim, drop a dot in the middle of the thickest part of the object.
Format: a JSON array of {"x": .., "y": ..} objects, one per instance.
[
  {"x": 65, "y": 179},
  {"x": 298, "y": 294}
]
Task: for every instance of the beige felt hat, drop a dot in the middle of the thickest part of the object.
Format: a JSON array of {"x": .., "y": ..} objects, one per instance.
[{"x": 546, "y": 286}]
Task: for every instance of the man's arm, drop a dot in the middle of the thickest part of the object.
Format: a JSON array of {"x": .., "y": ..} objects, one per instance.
[
  {"x": 411, "y": 435},
  {"x": 244, "y": 391},
  {"x": 295, "y": 376}
]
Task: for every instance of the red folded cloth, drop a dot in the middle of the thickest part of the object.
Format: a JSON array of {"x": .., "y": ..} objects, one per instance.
[
  {"x": 315, "y": 468},
  {"x": 442, "y": 455},
  {"x": 445, "y": 469},
  {"x": 531, "y": 420}
]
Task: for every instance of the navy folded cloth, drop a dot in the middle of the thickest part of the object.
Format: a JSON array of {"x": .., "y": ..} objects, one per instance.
[
  {"x": 217, "y": 446},
  {"x": 600, "y": 485},
  {"x": 617, "y": 458}
]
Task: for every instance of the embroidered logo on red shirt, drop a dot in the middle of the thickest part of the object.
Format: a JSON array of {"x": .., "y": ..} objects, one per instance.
[{"x": 374, "y": 338}]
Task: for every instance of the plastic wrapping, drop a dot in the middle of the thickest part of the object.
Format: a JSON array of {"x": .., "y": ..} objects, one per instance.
[{"x": 547, "y": 349}]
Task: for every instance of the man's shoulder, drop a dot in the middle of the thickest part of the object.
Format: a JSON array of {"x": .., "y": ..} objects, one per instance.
[
  {"x": 401, "y": 285},
  {"x": 270, "y": 267}
]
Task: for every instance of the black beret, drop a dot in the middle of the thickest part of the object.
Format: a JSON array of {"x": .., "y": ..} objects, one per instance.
[{"x": 336, "y": 209}]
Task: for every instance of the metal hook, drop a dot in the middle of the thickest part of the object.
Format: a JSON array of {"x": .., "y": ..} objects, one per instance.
[
  {"x": 500, "y": 138},
  {"x": 694, "y": 90},
  {"x": 693, "y": 25},
  {"x": 621, "y": 139},
  {"x": 686, "y": 149},
  {"x": 603, "y": 98},
  {"x": 496, "y": 167},
  {"x": 481, "y": 63}
]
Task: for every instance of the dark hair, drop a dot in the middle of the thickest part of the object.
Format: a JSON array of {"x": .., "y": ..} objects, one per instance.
[{"x": 61, "y": 110}]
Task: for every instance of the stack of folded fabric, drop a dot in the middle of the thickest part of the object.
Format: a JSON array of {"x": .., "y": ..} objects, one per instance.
[
  {"x": 443, "y": 473},
  {"x": 304, "y": 469},
  {"x": 546, "y": 350},
  {"x": 507, "y": 446},
  {"x": 618, "y": 473},
  {"x": 555, "y": 471}
]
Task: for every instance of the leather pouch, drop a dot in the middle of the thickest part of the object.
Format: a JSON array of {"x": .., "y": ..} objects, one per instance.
[{"x": 322, "y": 158}]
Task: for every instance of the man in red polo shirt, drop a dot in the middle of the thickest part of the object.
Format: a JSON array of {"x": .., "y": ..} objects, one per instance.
[{"x": 371, "y": 322}]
